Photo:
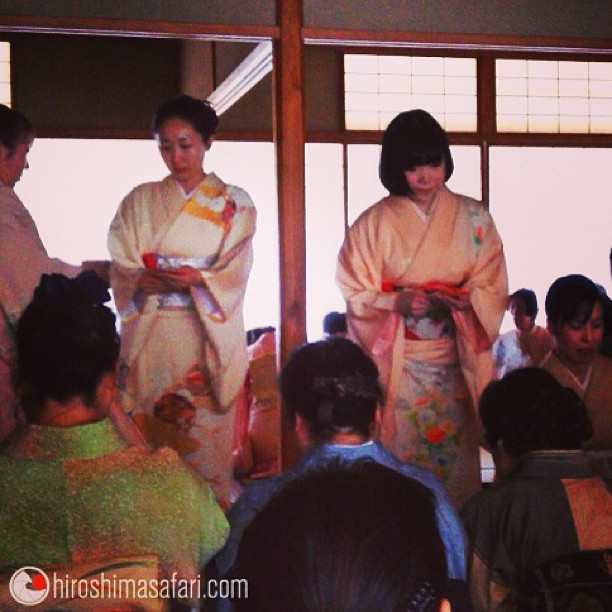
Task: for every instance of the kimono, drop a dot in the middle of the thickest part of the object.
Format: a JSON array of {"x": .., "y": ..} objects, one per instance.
[
  {"x": 184, "y": 358},
  {"x": 24, "y": 259},
  {"x": 553, "y": 503},
  {"x": 432, "y": 368},
  {"x": 595, "y": 392}
]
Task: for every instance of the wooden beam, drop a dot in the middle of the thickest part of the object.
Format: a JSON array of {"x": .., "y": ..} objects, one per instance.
[
  {"x": 452, "y": 41},
  {"x": 243, "y": 78},
  {"x": 136, "y": 28},
  {"x": 289, "y": 140}
]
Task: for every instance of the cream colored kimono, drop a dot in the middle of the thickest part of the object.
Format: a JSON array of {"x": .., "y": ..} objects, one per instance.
[
  {"x": 432, "y": 369},
  {"x": 23, "y": 259},
  {"x": 188, "y": 349}
]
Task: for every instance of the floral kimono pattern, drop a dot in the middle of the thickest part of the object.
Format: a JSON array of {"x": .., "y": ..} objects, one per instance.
[{"x": 434, "y": 367}]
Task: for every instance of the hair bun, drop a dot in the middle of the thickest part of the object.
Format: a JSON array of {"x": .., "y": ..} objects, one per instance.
[{"x": 86, "y": 285}]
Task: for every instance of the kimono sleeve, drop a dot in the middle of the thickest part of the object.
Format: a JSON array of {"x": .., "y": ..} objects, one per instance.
[
  {"x": 359, "y": 267},
  {"x": 24, "y": 259},
  {"x": 125, "y": 248},
  {"x": 488, "y": 279},
  {"x": 227, "y": 278}
]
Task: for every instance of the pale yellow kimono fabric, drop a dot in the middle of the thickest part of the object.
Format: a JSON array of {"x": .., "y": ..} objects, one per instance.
[
  {"x": 23, "y": 259},
  {"x": 458, "y": 246},
  {"x": 160, "y": 347}
]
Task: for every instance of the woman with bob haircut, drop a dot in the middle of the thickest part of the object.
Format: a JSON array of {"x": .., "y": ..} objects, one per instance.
[
  {"x": 424, "y": 276},
  {"x": 574, "y": 314}
]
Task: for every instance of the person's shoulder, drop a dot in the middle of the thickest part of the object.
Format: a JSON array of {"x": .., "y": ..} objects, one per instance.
[
  {"x": 144, "y": 192},
  {"x": 487, "y": 504},
  {"x": 239, "y": 196},
  {"x": 156, "y": 467},
  {"x": 407, "y": 468},
  {"x": 378, "y": 213},
  {"x": 476, "y": 210},
  {"x": 255, "y": 496},
  {"x": 603, "y": 363}
]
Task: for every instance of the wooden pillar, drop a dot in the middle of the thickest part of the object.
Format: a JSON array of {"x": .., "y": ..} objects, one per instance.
[{"x": 288, "y": 109}]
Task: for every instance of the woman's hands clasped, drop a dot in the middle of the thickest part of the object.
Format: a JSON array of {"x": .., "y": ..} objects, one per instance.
[
  {"x": 170, "y": 280},
  {"x": 415, "y": 301}
]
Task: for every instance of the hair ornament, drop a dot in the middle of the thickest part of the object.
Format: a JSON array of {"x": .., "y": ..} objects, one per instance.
[
  {"x": 341, "y": 387},
  {"x": 424, "y": 599}
]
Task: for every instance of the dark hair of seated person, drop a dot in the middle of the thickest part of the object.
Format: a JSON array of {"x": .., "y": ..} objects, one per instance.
[
  {"x": 66, "y": 341},
  {"x": 334, "y": 323},
  {"x": 361, "y": 537},
  {"x": 529, "y": 299},
  {"x": 530, "y": 411},
  {"x": 571, "y": 298},
  {"x": 333, "y": 386}
]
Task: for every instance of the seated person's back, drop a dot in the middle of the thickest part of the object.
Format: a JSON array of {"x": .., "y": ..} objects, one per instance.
[
  {"x": 359, "y": 537},
  {"x": 330, "y": 392},
  {"x": 72, "y": 490},
  {"x": 547, "y": 501}
]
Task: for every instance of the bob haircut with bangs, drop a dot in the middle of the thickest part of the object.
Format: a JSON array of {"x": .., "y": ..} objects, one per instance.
[{"x": 413, "y": 138}]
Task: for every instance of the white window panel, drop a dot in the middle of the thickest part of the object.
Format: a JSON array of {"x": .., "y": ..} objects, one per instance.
[
  {"x": 394, "y": 83},
  {"x": 543, "y": 106},
  {"x": 574, "y": 106},
  {"x": 361, "y": 82},
  {"x": 460, "y": 85},
  {"x": 574, "y": 88},
  {"x": 395, "y": 64},
  {"x": 394, "y": 102},
  {"x": 600, "y": 89},
  {"x": 428, "y": 84},
  {"x": 601, "y": 106},
  {"x": 573, "y": 70},
  {"x": 458, "y": 122},
  {"x": 548, "y": 124},
  {"x": 427, "y": 65},
  {"x": 362, "y": 120},
  {"x": 511, "y": 86},
  {"x": 512, "y": 69},
  {"x": 542, "y": 69},
  {"x": 512, "y": 105},
  {"x": 578, "y": 88},
  {"x": 600, "y": 70},
  {"x": 512, "y": 123},
  {"x": 573, "y": 124},
  {"x": 461, "y": 104},
  {"x": 361, "y": 63},
  {"x": 601, "y": 124},
  {"x": 543, "y": 87},
  {"x": 460, "y": 66}
]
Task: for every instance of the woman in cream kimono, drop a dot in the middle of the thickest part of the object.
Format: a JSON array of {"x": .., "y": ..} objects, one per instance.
[
  {"x": 182, "y": 253},
  {"x": 23, "y": 256},
  {"x": 424, "y": 277}
]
